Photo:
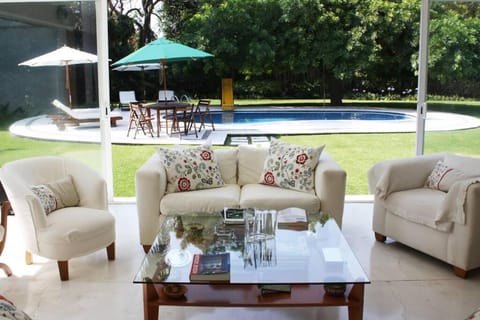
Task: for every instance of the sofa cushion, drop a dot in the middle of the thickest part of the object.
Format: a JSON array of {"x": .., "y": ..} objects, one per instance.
[
  {"x": 191, "y": 168},
  {"x": 207, "y": 200},
  {"x": 250, "y": 164},
  {"x": 268, "y": 197},
  {"x": 227, "y": 162},
  {"x": 57, "y": 194},
  {"x": 290, "y": 166}
]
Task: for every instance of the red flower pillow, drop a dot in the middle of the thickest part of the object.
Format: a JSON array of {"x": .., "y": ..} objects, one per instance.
[
  {"x": 191, "y": 168},
  {"x": 290, "y": 166}
]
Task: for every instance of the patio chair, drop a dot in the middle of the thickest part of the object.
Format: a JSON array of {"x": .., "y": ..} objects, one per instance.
[
  {"x": 76, "y": 116},
  {"x": 139, "y": 119},
  {"x": 125, "y": 97},
  {"x": 203, "y": 112},
  {"x": 186, "y": 116},
  {"x": 167, "y": 95}
]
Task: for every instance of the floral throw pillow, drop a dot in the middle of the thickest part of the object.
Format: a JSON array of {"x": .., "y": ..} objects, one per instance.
[
  {"x": 9, "y": 311},
  {"x": 46, "y": 196},
  {"x": 57, "y": 194},
  {"x": 291, "y": 166},
  {"x": 191, "y": 168}
]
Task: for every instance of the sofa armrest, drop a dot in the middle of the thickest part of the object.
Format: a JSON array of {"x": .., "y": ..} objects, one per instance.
[
  {"x": 390, "y": 176},
  {"x": 330, "y": 184},
  {"x": 150, "y": 187},
  {"x": 464, "y": 240}
]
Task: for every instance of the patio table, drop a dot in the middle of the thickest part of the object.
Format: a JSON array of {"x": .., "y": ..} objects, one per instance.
[{"x": 164, "y": 106}]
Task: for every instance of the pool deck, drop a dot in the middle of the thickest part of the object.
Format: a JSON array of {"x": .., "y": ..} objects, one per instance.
[{"x": 41, "y": 127}]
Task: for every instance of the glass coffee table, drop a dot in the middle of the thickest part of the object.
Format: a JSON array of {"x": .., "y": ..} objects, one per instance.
[{"x": 310, "y": 267}]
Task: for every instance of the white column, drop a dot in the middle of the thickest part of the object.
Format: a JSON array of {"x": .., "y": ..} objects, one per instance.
[
  {"x": 104, "y": 93},
  {"x": 422, "y": 76}
]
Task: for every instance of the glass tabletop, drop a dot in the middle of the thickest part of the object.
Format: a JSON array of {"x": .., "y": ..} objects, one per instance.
[{"x": 319, "y": 254}]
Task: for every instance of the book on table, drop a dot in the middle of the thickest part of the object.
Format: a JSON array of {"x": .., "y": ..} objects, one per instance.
[
  {"x": 274, "y": 288},
  {"x": 210, "y": 267},
  {"x": 292, "y": 219}
]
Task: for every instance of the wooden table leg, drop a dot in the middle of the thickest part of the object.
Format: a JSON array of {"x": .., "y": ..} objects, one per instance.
[
  {"x": 150, "y": 305},
  {"x": 355, "y": 303},
  {"x": 166, "y": 120},
  {"x": 158, "y": 123}
]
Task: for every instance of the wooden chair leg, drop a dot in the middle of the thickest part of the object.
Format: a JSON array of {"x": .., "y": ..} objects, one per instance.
[
  {"x": 146, "y": 247},
  {"x": 28, "y": 258},
  {"x": 459, "y": 272},
  {"x": 380, "y": 237},
  {"x": 63, "y": 270},
  {"x": 111, "y": 251}
]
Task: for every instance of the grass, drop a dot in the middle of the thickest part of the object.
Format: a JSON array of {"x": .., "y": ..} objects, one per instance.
[{"x": 355, "y": 152}]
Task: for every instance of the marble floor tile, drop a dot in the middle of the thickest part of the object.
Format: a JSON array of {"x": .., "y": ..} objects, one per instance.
[{"x": 405, "y": 284}]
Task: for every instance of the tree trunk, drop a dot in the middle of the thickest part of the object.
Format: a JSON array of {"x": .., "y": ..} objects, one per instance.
[{"x": 336, "y": 90}]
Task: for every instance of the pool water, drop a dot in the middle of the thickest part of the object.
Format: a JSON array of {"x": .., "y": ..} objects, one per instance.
[{"x": 258, "y": 116}]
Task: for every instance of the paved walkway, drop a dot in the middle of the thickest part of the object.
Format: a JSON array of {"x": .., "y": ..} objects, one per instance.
[{"x": 41, "y": 127}]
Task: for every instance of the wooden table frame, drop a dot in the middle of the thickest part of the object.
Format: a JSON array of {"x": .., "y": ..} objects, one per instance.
[
  {"x": 163, "y": 106},
  {"x": 240, "y": 295}
]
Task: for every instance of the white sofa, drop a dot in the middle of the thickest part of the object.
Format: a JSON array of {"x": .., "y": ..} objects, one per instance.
[
  {"x": 241, "y": 168},
  {"x": 425, "y": 218}
]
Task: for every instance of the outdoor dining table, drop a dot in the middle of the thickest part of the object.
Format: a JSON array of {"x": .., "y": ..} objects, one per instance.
[{"x": 164, "y": 106}]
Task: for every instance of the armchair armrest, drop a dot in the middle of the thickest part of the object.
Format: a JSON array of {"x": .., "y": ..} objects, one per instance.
[
  {"x": 330, "y": 184},
  {"x": 27, "y": 206},
  {"x": 150, "y": 187},
  {"x": 464, "y": 240},
  {"x": 390, "y": 176}
]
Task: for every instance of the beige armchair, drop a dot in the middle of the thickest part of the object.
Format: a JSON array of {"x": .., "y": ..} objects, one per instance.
[
  {"x": 440, "y": 218},
  {"x": 68, "y": 222}
]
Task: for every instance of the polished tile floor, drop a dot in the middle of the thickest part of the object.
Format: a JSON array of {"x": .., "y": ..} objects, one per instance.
[{"x": 405, "y": 284}]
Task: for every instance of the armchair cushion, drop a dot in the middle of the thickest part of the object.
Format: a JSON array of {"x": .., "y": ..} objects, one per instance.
[
  {"x": 191, "y": 168},
  {"x": 290, "y": 166},
  {"x": 57, "y": 194}
]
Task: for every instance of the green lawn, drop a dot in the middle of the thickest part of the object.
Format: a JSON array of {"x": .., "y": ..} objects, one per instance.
[{"x": 355, "y": 152}]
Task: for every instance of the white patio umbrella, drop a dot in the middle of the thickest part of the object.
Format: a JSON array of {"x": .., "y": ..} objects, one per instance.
[
  {"x": 63, "y": 56},
  {"x": 142, "y": 67}
]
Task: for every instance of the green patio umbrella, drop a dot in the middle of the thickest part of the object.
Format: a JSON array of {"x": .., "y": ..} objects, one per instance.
[{"x": 162, "y": 51}]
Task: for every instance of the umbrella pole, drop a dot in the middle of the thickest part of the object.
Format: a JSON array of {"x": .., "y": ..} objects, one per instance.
[
  {"x": 67, "y": 79},
  {"x": 164, "y": 78}
]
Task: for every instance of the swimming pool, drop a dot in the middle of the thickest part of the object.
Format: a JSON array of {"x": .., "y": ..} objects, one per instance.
[{"x": 276, "y": 115}]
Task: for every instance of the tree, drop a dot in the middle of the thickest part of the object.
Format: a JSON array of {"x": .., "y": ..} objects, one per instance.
[
  {"x": 454, "y": 56},
  {"x": 287, "y": 37},
  {"x": 140, "y": 15},
  {"x": 396, "y": 39},
  {"x": 295, "y": 44}
]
